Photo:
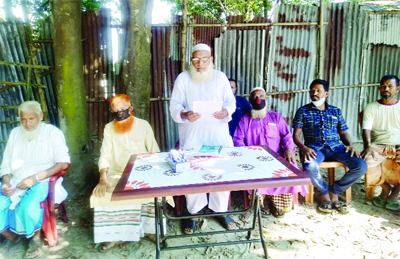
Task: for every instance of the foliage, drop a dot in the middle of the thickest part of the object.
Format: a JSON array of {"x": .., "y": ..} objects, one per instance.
[{"x": 218, "y": 9}]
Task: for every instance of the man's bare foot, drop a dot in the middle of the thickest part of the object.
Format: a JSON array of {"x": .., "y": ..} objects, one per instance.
[
  {"x": 107, "y": 246},
  {"x": 333, "y": 197},
  {"x": 34, "y": 248}
]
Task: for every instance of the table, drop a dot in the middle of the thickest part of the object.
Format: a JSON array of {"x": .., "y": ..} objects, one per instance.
[{"x": 238, "y": 168}]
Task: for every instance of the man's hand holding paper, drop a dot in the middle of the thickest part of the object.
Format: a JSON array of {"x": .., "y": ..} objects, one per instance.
[{"x": 210, "y": 111}]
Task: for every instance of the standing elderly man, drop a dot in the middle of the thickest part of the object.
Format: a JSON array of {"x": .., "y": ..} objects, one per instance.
[
  {"x": 323, "y": 127},
  {"x": 381, "y": 138},
  {"x": 129, "y": 220},
  {"x": 263, "y": 127},
  {"x": 203, "y": 83},
  {"x": 35, "y": 151}
]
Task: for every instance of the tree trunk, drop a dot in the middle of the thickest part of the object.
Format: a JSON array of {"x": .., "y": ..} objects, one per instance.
[
  {"x": 70, "y": 87},
  {"x": 136, "y": 76}
]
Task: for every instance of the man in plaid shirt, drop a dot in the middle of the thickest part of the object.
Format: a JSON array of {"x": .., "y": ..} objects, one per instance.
[{"x": 326, "y": 139}]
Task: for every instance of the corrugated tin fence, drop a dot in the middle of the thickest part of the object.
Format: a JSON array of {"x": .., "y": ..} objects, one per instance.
[
  {"x": 97, "y": 70},
  {"x": 283, "y": 56}
]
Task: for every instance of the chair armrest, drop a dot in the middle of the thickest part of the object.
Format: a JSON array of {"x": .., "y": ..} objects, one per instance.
[{"x": 52, "y": 184}]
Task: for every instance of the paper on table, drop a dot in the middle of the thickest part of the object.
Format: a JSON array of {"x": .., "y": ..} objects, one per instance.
[{"x": 207, "y": 109}]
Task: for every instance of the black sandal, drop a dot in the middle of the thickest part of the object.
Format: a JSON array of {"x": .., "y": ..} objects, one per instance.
[
  {"x": 190, "y": 226},
  {"x": 325, "y": 206},
  {"x": 226, "y": 222}
]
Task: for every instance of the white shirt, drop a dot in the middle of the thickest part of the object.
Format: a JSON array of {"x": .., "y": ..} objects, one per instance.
[
  {"x": 185, "y": 92},
  {"x": 384, "y": 123},
  {"x": 25, "y": 158}
]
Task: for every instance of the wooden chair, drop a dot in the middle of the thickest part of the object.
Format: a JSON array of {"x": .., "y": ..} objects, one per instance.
[
  {"x": 331, "y": 176},
  {"x": 49, "y": 226}
]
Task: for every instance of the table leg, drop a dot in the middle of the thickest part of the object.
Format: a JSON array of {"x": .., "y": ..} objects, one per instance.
[
  {"x": 253, "y": 205},
  {"x": 157, "y": 221},
  {"x": 258, "y": 212}
]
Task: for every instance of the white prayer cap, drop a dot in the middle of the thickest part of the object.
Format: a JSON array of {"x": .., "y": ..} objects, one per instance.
[
  {"x": 257, "y": 88},
  {"x": 201, "y": 46}
]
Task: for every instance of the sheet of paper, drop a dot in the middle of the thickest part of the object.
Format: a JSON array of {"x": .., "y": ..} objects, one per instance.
[{"x": 207, "y": 109}]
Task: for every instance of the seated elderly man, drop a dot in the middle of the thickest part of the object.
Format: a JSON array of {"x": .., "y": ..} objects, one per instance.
[
  {"x": 35, "y": 151},
  {"x": 381, "y": 138},
  {"x": 124, "y": 136},
  {"x": 263, "y": 127}
]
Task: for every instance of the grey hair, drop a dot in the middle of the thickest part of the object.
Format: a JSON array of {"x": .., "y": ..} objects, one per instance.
[{"x": 28, "y": 105}]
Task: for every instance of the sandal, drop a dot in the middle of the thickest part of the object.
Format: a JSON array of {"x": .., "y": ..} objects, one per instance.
[
  {"x": 379, "y": 202},
  {"x": 190, "y": 226},
  {"x": 325, "y": 206},
  {"x": 105, "y": 247},
  {"x": 278, "y": 213},
  {"x": 341, "y": 207},
  {"x": 227, "y": 222},
  {"x": 392, "y": 205},
  {"x": 265, "y": 210},
  {"x": 34, "y": 249}
]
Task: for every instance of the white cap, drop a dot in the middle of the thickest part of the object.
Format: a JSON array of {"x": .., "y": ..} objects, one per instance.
[
  {"x": 257, "y": 88},
  {"x": 201, "y": 46}
]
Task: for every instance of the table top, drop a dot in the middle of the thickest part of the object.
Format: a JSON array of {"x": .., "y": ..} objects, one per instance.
[{"x": 238, "y": 168}]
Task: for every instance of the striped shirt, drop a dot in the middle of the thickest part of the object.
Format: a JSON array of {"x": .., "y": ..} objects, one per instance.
[
  {"x": 25, "y": 158},
  {"x": 320, "y": 127}
]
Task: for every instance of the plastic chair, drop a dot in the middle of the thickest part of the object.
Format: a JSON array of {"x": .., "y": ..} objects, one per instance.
[
  {"x": 49, "y": 226},
  {"x": 331, "y": 176}
]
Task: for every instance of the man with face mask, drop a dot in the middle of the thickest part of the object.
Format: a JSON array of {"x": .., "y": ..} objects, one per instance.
[
  {"x": 263, "y": 127},
  {"x": 323, "y": 127},
  {"x": 203, "y": 83},
  {"x": 381, "y": 138},
  {"x": 124, "y": 136}
]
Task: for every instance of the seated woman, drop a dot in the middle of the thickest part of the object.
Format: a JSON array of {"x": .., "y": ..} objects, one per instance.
[{"x": 263, "y": 127}]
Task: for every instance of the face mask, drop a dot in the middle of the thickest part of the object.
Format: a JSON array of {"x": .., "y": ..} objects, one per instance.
[
  {"x": 257, "y": 103},
  {"x": 319, "y": 102},
  {"x": 120, "y": 116}
]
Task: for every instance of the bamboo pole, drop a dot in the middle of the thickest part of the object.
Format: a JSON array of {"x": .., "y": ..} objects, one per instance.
[
  {"x": 184, "y": 36},
  {"x": 33, "y": 60},
  {"x": 290, "y": 92},
  {"x": 28, "y": 82},
  {"x": 321, "y": 38},
  {"x": 23, "y": 65},
  {"x": 242, "y": 24}
]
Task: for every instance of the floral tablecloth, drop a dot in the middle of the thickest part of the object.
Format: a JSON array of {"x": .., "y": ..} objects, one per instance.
[{"x": 232, "y": 164}]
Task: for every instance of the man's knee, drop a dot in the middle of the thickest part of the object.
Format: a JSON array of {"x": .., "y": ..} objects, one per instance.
[{"x": 311, "y": 166}]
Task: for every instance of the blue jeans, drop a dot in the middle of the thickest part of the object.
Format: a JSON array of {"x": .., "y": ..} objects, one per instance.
[{"x": 357, "y": 168}]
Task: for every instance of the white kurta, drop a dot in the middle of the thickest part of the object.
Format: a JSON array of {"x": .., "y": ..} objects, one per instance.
[
  {"x": 115, "y": 152},
  {"x": 185, "y": 92},
  {"x": 195, "y": 134},
  {"x": 126, "y": 220},
  {"x": 25, "y": 158}
]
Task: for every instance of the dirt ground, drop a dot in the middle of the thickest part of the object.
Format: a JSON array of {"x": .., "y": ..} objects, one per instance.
[{"x": 366, "y": 232}]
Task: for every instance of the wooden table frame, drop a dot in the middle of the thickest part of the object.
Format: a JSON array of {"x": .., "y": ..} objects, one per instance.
[{"x": 120, "y": 194}]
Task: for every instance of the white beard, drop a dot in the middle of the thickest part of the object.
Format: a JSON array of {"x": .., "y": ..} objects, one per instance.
[
  {"x": 259, "y": 114},
  {"x": 201, "y": 77},
  {"x": 31, "y": 135}
]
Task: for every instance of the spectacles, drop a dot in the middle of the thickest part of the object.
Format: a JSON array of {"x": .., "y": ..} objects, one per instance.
[{"x": 202, "y": 60}]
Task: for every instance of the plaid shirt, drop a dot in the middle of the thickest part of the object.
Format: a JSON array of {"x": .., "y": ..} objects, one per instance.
[{"x": 320, "y": 128}]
